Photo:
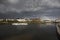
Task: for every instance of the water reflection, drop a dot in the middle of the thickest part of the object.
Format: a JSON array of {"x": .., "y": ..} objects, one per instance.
[{"x": 33, "y": 31}]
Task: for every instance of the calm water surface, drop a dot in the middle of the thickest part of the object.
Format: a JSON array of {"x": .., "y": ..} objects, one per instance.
[{"x": 36, "y": 31}]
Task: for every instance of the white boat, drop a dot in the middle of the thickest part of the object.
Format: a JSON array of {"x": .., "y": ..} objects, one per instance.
[{"x": 19, "y": 23}]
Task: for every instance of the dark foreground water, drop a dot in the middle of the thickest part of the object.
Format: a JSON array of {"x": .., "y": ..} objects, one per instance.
[{"x": 29, "y": 32}]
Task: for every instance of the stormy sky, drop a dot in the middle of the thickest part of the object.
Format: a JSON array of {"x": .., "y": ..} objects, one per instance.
[{"x": 29, "y": 8}]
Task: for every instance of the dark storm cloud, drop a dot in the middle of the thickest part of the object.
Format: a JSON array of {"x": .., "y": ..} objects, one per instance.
[
  {"x": 18, "y": 5},
  {"x": 36, "y": 7}
]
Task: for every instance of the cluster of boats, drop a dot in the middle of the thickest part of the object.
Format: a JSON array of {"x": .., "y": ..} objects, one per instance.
[
  {"x": 18, "y": 21},
  {"x": 23, "y": 21}
]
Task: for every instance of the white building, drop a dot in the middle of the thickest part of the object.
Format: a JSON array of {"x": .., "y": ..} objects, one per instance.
[
  {"x": 57, "y": 20},
  {"x": 21, "y": 20}
]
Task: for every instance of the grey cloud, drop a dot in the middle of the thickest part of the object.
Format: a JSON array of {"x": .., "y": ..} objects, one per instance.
[
  {"x": 35, "y": 7},
  {"x": 28, "y": 5}
]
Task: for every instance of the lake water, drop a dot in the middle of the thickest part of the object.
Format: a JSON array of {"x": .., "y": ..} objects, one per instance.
[{"x": 38, "y": 31}]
